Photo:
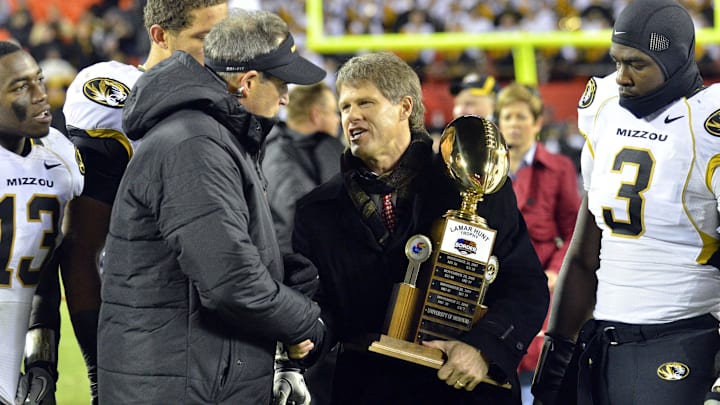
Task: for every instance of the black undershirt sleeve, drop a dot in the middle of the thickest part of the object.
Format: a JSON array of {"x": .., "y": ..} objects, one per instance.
[{"x": 105, "y": 162}]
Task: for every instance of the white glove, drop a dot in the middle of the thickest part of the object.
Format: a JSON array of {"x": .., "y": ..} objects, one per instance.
[
  {"x": 289, "y": 387},
  {"x": 36, "y": 386}
]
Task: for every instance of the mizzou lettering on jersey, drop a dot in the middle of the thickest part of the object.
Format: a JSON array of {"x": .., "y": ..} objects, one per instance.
[
  {"x": 30, "y": 181},
  {"x": 634, "y": 133}
]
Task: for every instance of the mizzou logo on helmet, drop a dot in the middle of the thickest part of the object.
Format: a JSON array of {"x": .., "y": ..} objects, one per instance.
[
  {"x": 712, "y": 123},
  {"x": 589, "y": 94},
  {"x": 106, "y": 92},
  {"x": 673, "y": 371}
]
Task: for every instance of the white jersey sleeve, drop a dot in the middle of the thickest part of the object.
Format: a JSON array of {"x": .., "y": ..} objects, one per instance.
[
  {"x": 97, "y": 95},
  {"x": 598, "y": 91},
  {"x": 34, "y": 191},
  {"x": 93, "y": 114}
]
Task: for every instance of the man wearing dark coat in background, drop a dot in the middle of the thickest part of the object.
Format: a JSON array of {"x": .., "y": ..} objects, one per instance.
[{"x": 301, "y": 153}]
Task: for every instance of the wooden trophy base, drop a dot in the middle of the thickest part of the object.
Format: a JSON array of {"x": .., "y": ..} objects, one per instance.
[
  {"x": 408, "y": 351},
  {"x": 418, "y": 354}
]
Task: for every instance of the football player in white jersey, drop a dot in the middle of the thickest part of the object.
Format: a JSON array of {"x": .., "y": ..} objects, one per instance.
[
  {"x": 40, "y": 171},
  {"x": 635, "y": 318},
  {"x": 93, "y": 113}
]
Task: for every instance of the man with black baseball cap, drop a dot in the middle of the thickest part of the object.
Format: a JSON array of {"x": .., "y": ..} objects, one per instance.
[
  {"x": 475, "y": 94},
  {"x": 638, "y": 324},
  {"x": 193, "y": 293}
]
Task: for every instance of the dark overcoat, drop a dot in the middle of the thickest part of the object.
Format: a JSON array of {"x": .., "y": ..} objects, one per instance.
[{"x": 357, "y": 275}]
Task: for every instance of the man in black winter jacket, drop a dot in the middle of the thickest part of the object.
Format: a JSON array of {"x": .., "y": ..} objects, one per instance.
[{"x": 193, "y": 302}]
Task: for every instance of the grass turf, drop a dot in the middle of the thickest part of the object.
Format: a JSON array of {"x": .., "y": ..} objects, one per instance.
[{"x": 73, "y": 387}]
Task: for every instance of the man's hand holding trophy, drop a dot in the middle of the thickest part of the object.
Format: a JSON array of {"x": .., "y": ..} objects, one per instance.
[{"x": 450, "y": 272}]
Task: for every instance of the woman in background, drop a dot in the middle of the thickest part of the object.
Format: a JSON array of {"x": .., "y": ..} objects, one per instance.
[{"x": 545, "y": 184}]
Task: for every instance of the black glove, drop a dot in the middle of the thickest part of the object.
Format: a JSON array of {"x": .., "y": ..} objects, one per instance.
[
  {"x": 712, "y": 398},
  {"x": 554, "y": 359},
  {"x": 301, "y": 274},
  {"x": 36, "y": 386}
]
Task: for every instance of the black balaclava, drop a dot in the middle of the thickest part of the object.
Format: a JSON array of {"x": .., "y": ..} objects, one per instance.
[{"x": 663, "y": 30}]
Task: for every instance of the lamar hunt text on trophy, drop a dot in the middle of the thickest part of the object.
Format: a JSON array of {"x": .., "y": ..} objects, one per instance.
[{"x": 453, "y": 283}]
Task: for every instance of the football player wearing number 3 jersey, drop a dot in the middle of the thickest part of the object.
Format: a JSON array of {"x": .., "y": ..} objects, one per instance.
[
  {"x": 40, "y": 171},
  {"x": 635, "y": 318}
]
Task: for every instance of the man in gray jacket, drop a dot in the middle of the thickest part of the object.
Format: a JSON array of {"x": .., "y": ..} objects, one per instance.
[
  {"x": 192, "y": 296},
  {"x": 301, "y": 153}
]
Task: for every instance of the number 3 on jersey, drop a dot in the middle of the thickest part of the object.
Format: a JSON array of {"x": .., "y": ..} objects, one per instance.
[
  {"x": 631, "y": 192},
  {"x": 38, "y": 205}
]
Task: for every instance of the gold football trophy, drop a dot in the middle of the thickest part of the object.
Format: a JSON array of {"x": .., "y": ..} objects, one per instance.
[{"x": 454, "y": 281}]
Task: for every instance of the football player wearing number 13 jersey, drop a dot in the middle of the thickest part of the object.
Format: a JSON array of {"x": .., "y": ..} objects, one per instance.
[
  {"x": 40, "y": 171},
  {"x": 642, "y": 273}
]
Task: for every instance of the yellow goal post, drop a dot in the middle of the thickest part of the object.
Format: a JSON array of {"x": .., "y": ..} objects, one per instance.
[{"x": 523, "y": 44}]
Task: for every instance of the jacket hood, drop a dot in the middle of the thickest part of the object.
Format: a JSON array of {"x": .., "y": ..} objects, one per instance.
[{"x": 181, "y": 83}]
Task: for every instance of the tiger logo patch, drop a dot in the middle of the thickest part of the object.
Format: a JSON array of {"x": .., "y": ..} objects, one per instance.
[
  {"x": 589, "y": 94},
  {"x": 673, "y": 371},
  {"x": 106, "y": 92},
  {"x": 712, "y": 123}
]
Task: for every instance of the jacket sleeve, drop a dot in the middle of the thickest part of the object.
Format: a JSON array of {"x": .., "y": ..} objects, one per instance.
[
  {"x": 287, "y": 182},
  {"x": 518, "y": 298},
  {"x": 566, "y": 210},
  {"x": 205, "y": 217}
]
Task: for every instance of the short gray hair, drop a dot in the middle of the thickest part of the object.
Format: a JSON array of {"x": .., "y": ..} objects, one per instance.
[
  {"x": 244, "y": 35},
  {"x": 391, "y": 75}
]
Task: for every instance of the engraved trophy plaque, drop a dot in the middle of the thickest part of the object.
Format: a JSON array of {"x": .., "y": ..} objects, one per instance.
[{"x": 455, "y": 267}]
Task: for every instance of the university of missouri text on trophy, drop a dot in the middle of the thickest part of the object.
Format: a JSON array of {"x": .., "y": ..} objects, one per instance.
[{"x": 441, "y": 298}]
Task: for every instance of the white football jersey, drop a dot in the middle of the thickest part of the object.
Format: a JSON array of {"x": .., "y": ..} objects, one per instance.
[
  {"x": 654, "y": 191},
  {"x": 34, "y": 191},
  {"x": 95, "y": 100}
]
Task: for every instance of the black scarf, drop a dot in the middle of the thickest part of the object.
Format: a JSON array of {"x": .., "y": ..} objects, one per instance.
[
  {"x": 684, "y": 83},
  {"x": 360, "y": 182}
]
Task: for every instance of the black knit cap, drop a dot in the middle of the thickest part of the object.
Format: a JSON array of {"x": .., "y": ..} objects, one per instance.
[
  {"x": 660, "y": 28},
  {"x": 663, "y": 30}
]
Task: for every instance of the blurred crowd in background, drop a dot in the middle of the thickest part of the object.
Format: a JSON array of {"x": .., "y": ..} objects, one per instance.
[{"x": 65, "y": 36}]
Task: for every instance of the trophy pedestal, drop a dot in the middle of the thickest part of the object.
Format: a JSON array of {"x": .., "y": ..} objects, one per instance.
[
  {"x": 408, "y": 351},
  {"x": 418, "y": 354}
]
